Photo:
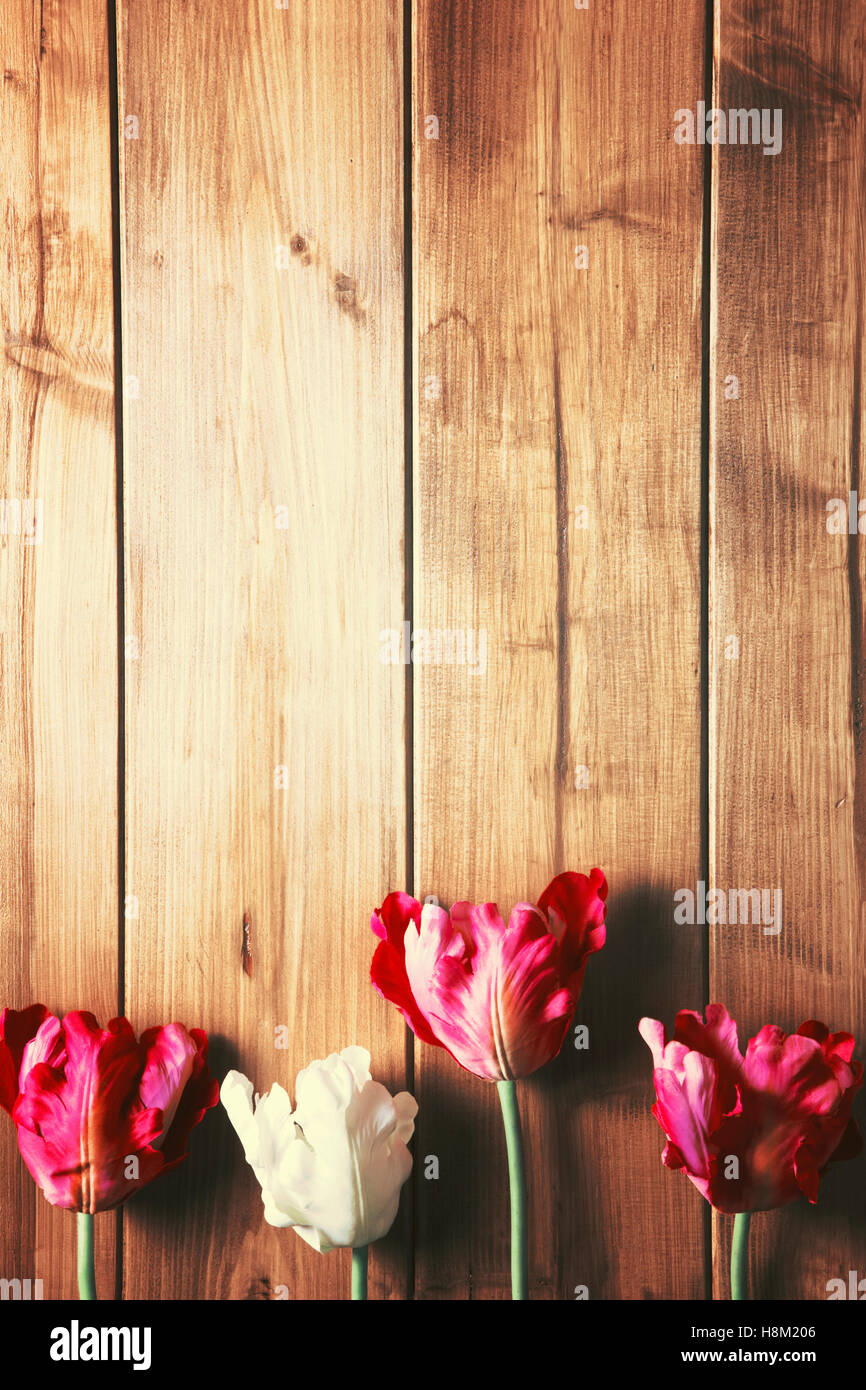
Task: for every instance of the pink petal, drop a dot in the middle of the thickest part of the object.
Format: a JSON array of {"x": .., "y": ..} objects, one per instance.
[
  {"x": 717, "y": 1038},
  {"x": 492, "y": 995},
  {"x": 655, "y": 1037},
  {"x": 679, "y": 1122},
  {"x": 169, "y": 1055},
  {"x": 792, "y": 1070},
  {"x": 48, "y": 1046}
]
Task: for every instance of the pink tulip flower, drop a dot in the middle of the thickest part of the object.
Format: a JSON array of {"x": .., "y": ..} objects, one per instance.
[
  {"x": 753, "y": 1132},
  {"x": 499, "y": 999}
]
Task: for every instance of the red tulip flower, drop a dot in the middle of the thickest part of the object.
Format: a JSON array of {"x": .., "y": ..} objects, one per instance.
[
  {"x": 783, "y": 1111},
  {"x": 499, "y": 999},
  {"x": 97, "y": 1113}
]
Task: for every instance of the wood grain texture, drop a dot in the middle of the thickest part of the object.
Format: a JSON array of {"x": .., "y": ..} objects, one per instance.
[
  {"x": 265, "y": 738},
  {"x": 788, "y": 787},
  {"x": 556, "y": 509},
  {"x": 58, "y": 584},
  {"x": 543, "y": 388}
]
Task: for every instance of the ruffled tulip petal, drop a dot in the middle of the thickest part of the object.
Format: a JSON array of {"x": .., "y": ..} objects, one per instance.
[
  {"x": 499, "y": 999},
  {"x": 405, "y": 1110},
  {"x": 81, "y": 1108},
  {"x": 574, "y": 905},
  {"x": 48, "y": 1046},
  {"x": 835, "y": 1045},
  {"x": 493, "y": 994},
  {"x": 454, "y": 998},
  {"x": 716, "y": 1038},
  {"x": 199, "y": 1094},
  {"x": 807, "y": 1172},
  {"x": 265, "y": 1126},
  {"x": 388, "y": 970},
  {"x": 655, "y": 1037},
  {"x": 357, "y": 1059},
  {"x": 793, "y": 1067},
  {"x": 535, "y": 1008},
  {"x": 17, "y": 1029},
  {"x": 394, "y": 916},
  {"x": 169, "y": 1057},
  {"x": 236, "y": 1095},
  {"x": 374, "y": 1119},
  {"x": 324, "y": 1089},
  {"x": 361, "y": 1164},
  {"x": 81, "y": 1117},
  {"x": 677, "y": 1118},
  {"x": 73, "y": 1132},
  {"x": 753, "y": 1132},
  {"x": 333, "y": 1167}
]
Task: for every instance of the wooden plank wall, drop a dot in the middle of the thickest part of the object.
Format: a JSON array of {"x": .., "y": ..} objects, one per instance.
[
  {"x": 271, "y": 782},
  {"x": 582, "y": 496},
  {"x": 562, "y": 388},
  {"x": 58, "y": 584},
  {"x": 788, "y": 796}
]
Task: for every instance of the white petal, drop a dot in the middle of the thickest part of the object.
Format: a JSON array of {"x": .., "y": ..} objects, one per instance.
[
  {"x": 406, "y": 1108},
  {"x": 276, "y": 1125},
  {"x": 334, "y": 1167},
  {"x": 274, "y": 1215},
  {"x": 357, "y": 1059},
  {"x": 380, "y": 1156},
  {"x": 323, "y": 1087},
  {"x": 236, "y": 1094},
  {"x": 315, "y": 1238}
]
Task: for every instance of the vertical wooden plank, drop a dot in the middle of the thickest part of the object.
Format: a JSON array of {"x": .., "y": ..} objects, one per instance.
[
  {"x": 264, "y": 495},
  {"x": 544, "y": 388},
  {"x": 58, "y": 549},
  {"x": 788, "y": 793}
]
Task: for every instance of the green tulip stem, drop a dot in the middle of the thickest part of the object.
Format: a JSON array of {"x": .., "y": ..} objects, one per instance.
[
  {"x": 740, "y": 1256},
  {"x": 359, "y": 1272},
  {"x": 86, "y": 1274},
  {"x": 517, "y": 1178}
]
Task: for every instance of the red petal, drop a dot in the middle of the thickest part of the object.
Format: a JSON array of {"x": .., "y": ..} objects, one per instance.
[
  {"x": 574, "y": 905},
  {"x": 394, "y": 916},
  {"x": 73, "y": 1125},
  {"x": 16, "y": 1030},
  {"x": 388, "y": 974}
]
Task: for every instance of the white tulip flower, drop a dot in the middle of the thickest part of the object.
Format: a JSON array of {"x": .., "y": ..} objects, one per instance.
[{"x": 333, "y": 1167}]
